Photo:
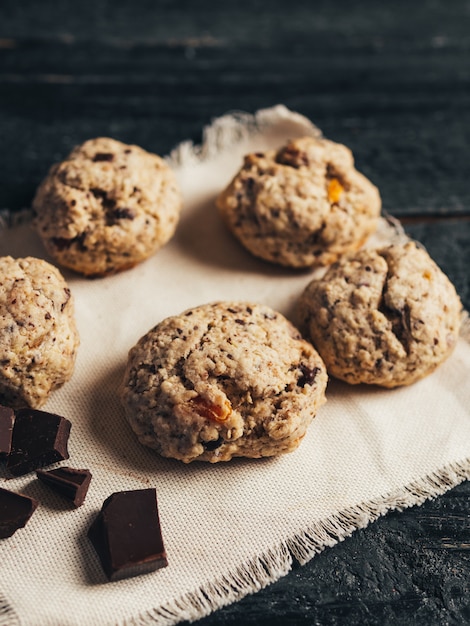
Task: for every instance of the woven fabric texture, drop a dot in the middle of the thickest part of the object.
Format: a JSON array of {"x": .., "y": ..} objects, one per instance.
[{"x": 229, "y": 529}]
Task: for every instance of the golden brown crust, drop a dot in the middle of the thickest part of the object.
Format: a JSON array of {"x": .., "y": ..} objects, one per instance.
[
  {"x": 38, "y": 335},
  {"x": 223, "y": 380},
  {"x": 387, "y": 317},
  {"x": 106, "y": 207},
  {"x": 301, "y": 206}
]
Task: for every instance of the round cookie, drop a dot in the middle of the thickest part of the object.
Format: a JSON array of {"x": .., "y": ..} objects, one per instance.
[
  {"x": 386, "y": 317},
  {"x": 38, "y": 336},
  {"x": 302, "y": 205},
  {"x": 106, "y": 207},
  {"x": 223, "y": 380}
]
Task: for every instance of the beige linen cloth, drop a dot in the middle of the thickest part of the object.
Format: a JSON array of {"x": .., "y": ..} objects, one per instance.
[{"x": 229, "y": 529}]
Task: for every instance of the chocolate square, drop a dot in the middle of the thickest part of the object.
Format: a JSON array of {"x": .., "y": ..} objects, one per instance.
[
  {"x": 15, "y": 511},
  {"x": 39, "y": 439},
  {"x": 127, "y": 535},
  {"x": 68, "y": 482},
  {"x": 7, "y": 419}
]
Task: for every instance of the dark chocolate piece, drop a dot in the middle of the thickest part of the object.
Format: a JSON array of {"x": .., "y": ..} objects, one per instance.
[
  {"x": 71, "y": 483},
  {"x": 39, "y": 439},
  {"x": 127, "y": 535},
  {"x": 103, "y": 156},
  {"x": 15, "y": 511},
  {"x": 308, "y": 375},
  {"x": 7, "y": 418}
]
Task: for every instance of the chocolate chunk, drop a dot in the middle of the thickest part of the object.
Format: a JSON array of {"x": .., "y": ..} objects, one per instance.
[
  {"x": 62, "y": 243},
  {"x": 68, "y": 295},
  {"x": 15, "y": 511},
  {"x": 39, "y": 439},
  {"x": 7, "y": 418},
  {"x": 250, "y": 185},
  {"x": 113, "y": 216},
  {"x": 100, "y": 194},
  {"x": 213, "y": 445},
  {"x": 400, "y": 320},
  {"x": 71, "y": 483},
  {"x": 291, "y": 155},
  {"x": 127, "y": 535},
  {"x": 124, "y": 214},
  {"x": 103, "y": 156},
  {"x": 308, "y": 375}
]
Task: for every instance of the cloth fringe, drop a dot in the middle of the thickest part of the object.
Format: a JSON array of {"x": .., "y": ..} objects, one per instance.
[
  {"x": 10, "y": 219},
  {"x": 8, "y": 616},
  {"x": 326, "y": 533},
  {"x": 244, "y": 580},
  {"x": 303, "y": 546},
  {"x": 235, "y": 127},
  {"x": 465, "y": 327}
]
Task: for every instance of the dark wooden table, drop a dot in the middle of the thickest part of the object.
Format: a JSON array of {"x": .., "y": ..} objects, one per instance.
[{"x": 390, "y": 80}]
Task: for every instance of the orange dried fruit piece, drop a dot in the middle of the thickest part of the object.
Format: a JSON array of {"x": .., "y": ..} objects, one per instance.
[
  {"x": 335, "y": 189},
  {"x": 216, "y": 412}
]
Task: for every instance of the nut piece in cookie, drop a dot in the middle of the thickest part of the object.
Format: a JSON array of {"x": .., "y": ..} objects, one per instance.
[
  {"x": 223, "y": 380},
  {"x": 38, "y": 336},
  {"x": 302, "y": 206},
  {"x": 386, "y": 317},
  {"x": 106, "y": 207}
]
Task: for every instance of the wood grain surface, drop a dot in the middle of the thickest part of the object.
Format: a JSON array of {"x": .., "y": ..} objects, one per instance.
[{"x": 390, "y": 80}]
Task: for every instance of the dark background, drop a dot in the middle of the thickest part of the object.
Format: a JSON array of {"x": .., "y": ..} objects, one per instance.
[{"x": 389, "y": 79}]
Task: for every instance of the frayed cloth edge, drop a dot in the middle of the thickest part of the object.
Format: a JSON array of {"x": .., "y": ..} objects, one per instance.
[
  {"x": 237, "y": 126},
  {"x": 10, "y": 219},
  {"x": 304, "y": 545},
  {"x": 8, "y": 616}
]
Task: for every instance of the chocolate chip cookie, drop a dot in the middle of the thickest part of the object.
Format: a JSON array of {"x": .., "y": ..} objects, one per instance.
[
  {"x": 223, "y": 380},
  {"x": 386, "y": 317},
  {"x": 106, "y": 207},
  {"x": 303, "y": 205},
  {"x": 38, "y": 336}
]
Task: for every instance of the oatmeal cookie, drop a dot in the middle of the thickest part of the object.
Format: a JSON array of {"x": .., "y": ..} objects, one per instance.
[
  {"x": 106, "y": 207},
  {"x": 223, "y": 380},
  {"x": 38, "y": 336},
  {"x": 301, "y": 206},
  {"x": 386, "y": 317}
]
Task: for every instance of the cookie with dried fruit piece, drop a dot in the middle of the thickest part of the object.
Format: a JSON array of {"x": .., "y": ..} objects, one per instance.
[
  {"x": 223, "y": 380},
  {"x": 300, "y": 206}
]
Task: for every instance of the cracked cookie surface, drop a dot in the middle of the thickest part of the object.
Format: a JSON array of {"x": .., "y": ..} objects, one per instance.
[
  {"x": 222, "y": 380},
  {"x": 38, "y": 336},
  {"x": 301, "y": 206},
  {"x": 106, "y": 207},
  {"x": 386, "y": 317}
]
